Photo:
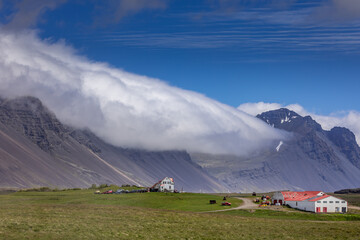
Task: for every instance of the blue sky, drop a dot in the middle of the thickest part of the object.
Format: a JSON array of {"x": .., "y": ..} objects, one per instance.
[{"x": 305, "y": 52}]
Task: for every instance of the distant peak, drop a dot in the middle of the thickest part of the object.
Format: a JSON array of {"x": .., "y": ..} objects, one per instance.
[
  {"x": 288, "y": 120},
  {"x": 279, "y": 116},
  {"x": 281, "y": 111}
]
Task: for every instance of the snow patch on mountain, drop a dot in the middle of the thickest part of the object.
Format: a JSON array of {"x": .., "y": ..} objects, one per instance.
[
  {"x": 286, "y": 119},
  {"x": 278, "y": 147}
]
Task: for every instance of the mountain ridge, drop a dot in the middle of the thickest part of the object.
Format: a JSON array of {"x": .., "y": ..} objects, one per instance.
[
  {"x": 78, "y": 157},
  {"x": 310, "y": 159},
  {"x": 341, "y": 137},
  {"x": 36, "y": 149}
]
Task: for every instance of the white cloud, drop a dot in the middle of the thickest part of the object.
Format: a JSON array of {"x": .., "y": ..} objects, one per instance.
[
  {"x": 348, "y": 119},
  {"x": 123, "y": 108},
  {"x": 256, "y": 108}
]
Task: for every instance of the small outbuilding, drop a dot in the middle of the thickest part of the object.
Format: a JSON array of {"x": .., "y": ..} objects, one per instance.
[
  {"x": 312, "y": 201},
  {"x": 165, "y": 185}
]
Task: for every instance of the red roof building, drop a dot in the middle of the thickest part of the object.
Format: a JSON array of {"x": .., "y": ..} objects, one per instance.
[
  {"x": 300, "y": 196},
  {"x": 313, "y": 201}
]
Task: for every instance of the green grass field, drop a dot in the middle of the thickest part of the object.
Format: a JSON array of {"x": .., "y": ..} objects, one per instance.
[
  {"x": 353, "y": 199},
  {"x": 293, "y": 215},
  {"x": 80, "y": 214},
  {"x": 169, "y": 201}
]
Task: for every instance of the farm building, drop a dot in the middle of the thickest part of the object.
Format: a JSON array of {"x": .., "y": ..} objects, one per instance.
[
  {"x": 312, "y": 201},
  {"x": 165, "y": 185}
]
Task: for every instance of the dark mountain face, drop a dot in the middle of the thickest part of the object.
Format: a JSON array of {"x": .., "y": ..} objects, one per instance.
[
  {"x": 311, "y": 159},
  {"x": 36, "y": 149},
  {"x": 290, "y": 121},
  {"x": 29, "y": 117},
  {"x": 345, "y": 140},
  {"x": 311, "y": 136},
  {"x": 333, "y": 149}
]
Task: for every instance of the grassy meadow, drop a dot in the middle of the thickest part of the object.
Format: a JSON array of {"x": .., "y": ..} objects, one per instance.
[
  {"x": 80, "y": 214},
  {"x": 353, "y": 199},
  {"x": 293, "y": 215},
  {"x": 169, "y": 201}
]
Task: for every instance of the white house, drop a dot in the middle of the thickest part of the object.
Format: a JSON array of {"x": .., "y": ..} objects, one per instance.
[
  {"x": 165, "y": 185},
  {"x": 312, "y": 201}
]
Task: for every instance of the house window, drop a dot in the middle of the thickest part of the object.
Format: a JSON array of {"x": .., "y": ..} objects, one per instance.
[
  {"x": 324, "y": 201},
  {"x": 337, "y": 202},
  {"x": 342, "y": 201},
  {"x": 331, "y": 202},
  {"x": 169, "y": 187},
  {"x": 318, "y": 201}
]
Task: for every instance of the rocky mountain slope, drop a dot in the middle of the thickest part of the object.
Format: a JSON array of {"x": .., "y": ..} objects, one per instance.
[
  {"x": 310, "y": 159},
  {"x": 36, "y": 149}
]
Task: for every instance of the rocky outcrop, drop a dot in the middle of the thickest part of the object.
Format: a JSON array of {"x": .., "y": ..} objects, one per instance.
[
  {"x": 345, "y": 140},
  {"x": 29, "y": 117}
]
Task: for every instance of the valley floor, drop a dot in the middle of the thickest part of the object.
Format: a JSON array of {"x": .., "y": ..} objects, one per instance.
[{"x": 84, "y": 215}]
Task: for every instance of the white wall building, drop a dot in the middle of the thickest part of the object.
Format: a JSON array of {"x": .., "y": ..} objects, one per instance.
[
  {"x": 165, "y": 185},
  {"x": 312, "y": 201}
]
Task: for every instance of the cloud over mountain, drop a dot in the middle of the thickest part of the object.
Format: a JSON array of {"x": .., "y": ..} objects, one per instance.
[
  {"x": 123, "y": 108},
  {"x": 348, "y": 119}
]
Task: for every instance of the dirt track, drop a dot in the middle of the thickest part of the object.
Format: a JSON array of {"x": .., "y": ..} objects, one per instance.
[
  {"x": 354, "y": 207},
  {"x": 247, "y": 204}
]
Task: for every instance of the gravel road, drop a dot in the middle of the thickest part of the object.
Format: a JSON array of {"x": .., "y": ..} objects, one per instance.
[{"x": 247, "y": 204}]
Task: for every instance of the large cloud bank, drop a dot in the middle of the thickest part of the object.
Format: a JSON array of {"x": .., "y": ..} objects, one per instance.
[
  {"x": 124, "y": 109},
  {"x": 349, "y": 119}
]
